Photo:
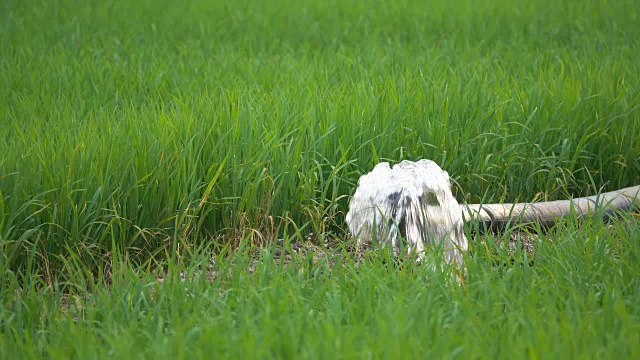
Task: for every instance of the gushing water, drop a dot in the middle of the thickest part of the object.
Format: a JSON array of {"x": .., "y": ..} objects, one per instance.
[{"x": 409, "y": 204}]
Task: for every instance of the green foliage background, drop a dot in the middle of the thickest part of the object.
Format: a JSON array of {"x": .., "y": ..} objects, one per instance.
[{"x": 143, "y": 128}]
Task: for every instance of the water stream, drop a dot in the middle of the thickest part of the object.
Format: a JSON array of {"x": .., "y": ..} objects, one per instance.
[{"x": 410, "y": 207}]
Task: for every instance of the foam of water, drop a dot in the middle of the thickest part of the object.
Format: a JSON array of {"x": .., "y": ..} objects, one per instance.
[{"x": 411, "y": 202}]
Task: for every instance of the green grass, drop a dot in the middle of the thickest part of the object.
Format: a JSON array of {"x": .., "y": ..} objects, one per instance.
[
  {"x": 580, "y": 299},
  {"x": 134, "y": 132}
]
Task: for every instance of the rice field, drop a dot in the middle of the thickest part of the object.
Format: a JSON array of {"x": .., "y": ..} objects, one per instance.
[{"x": 157, "y": 159}]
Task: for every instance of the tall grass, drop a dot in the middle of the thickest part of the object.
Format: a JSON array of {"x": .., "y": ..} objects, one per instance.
[
  {"x": 580, "y": 299},
  {"x": 137, "y": 135},
  {"x": 138, "y": 123}
]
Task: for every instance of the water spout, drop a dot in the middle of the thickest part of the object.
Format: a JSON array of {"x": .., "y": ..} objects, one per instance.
[{"x": 408, "y": 204}]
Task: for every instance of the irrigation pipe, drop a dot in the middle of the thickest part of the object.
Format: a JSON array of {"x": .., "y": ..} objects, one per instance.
[
  {"x": 411, "y": 203},
  {"x": 497, "y": 216}
]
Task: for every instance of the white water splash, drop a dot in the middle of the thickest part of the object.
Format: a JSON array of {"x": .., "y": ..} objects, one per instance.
[{"x": 411, "y": 201}]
